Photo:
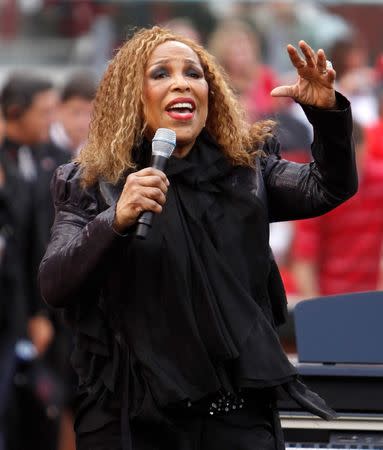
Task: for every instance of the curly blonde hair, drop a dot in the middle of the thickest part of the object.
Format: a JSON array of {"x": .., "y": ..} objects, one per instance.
[{"x": 118, "y": 122}]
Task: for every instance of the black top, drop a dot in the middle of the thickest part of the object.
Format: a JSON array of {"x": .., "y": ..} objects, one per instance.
[
  {"x": 31, "y": 208},
  {"x": 193, "y": 308}
]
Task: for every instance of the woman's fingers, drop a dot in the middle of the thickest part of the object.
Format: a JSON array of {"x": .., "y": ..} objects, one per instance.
[
  {"x": 151, "y": 179},
  {"x": 331, "y": 75},
  {"x": 295, "y": 58},
  {"x": 145, "y": 204},
  {"x": 311, "y": 59},
  {"x": 325, "y": 67},
  {"x": 154, "y": 180},
  {"x": 150, "y": 171},
  {"x": 149, "y": 199},
  {"x": 315, "y": 83},
  {"x": 153, "y": 193},
  {"x": 149, "y": 204},
  {"x": 321, "y": 62},
  {"x": 131, "y": 204},
  {"x": 138, "y": 196},
  {"x": 283, "y": 91},
  {"x": 308, "y": 53},
  {"x": 144, "y": 190}
]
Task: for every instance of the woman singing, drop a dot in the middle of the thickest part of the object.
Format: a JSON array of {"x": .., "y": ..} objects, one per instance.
[{"x": 175, "y": 335}]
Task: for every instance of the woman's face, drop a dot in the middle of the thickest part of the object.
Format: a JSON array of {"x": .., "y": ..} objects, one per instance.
[{"x": 175, "y": 93}]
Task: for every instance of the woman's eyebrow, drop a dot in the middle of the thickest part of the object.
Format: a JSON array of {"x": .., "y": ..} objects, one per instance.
[{"x": 167, "y": 60}]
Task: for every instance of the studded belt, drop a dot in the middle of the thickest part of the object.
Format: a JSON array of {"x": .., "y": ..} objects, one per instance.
[
  {"x": 220, "y": 403},
  {"x": 225, "y": 402}
]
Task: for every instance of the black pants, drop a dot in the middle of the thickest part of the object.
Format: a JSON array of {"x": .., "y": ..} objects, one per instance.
[{"x": 241, "y": 430}]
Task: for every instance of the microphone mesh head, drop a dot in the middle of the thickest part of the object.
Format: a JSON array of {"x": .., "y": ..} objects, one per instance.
[{"x": 164, "y": 142}]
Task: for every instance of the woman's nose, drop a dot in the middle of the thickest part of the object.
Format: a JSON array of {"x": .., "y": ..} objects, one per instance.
[{"x": 180, "y": 82}]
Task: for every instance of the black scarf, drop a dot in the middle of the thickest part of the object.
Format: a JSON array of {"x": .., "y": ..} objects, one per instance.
[{"x": 197, "y": 315}]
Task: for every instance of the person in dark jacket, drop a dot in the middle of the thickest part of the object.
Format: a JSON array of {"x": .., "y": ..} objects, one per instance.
[
  {"x": 176, "y": 335},
  {"x": 13, "y": 318},
  {"x": 28, "y": 104}
]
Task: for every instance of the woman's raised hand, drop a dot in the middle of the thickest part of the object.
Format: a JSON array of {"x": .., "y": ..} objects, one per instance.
[
  {"x": 144, "y": 190},
  {"x": 316, "y": 78}
]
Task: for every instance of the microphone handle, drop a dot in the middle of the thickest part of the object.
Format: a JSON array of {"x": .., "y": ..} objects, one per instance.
[{"x": 144, "y": 222}]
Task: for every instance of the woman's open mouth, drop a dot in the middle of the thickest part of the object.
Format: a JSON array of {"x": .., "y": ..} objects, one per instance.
[{"x": 181, "y": 110}]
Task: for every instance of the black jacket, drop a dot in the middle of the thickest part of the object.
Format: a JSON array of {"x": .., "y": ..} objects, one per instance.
[
  {"x": 32, "y": 211},
  {"x": 78, "y": 271}
]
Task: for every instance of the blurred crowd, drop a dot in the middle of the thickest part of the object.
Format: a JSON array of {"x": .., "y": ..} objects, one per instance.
[{"x": 44, "y": 124}]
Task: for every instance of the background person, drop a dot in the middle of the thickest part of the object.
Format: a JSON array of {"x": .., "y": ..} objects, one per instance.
[
  {"x": 70, "y": 130},
  {"x": 28, "y": 103},
  {"x": 13, "y": 308},
  {"x": 236, "y": 46},
  {"x": 341, "y": 251},
  {"x": 356, "y": 77}
]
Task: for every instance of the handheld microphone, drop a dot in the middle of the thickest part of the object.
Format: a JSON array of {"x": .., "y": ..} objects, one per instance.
[{"x": 163, "y": 144}]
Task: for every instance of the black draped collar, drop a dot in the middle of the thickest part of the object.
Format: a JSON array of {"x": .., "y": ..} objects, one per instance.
[{"x": 203, "y": 166}]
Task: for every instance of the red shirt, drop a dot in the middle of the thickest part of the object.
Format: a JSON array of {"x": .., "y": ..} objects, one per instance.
[
  {"x": 374, "y": 139},
  {"x": 257, "y": 101},
  {"x": 346, "y": 243}
]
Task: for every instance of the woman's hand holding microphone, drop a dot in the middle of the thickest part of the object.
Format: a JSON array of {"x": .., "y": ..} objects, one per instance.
[{"x": 144, "y": 190}]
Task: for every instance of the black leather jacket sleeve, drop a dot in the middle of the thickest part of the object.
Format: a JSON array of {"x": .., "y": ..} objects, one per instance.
[
  {"x": 297, "y": 191},
  {"x": 81, "y": 240}
]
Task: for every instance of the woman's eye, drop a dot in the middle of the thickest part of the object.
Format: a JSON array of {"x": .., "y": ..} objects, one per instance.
[
  {"x": 194, "y": 74},
  {"x": 158, "y": 74}
]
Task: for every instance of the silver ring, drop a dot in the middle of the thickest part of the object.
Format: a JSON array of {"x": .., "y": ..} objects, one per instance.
[{"x": 328, "y": 66}]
